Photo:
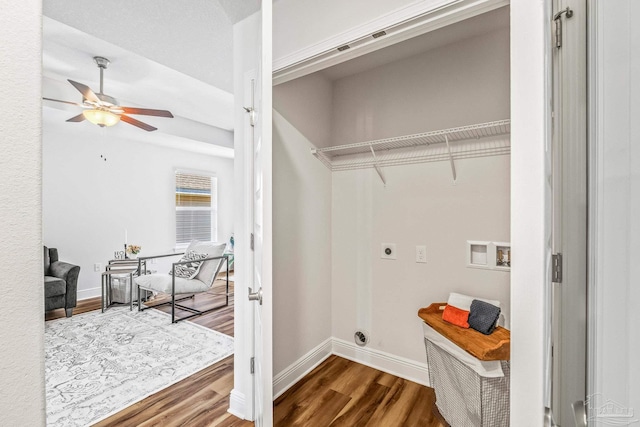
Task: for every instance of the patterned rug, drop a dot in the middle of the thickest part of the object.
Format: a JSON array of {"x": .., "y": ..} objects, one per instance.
[{"x": 97, "y": 364}]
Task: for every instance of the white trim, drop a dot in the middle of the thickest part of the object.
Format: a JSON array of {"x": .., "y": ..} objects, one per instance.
[
  {"x": 594, "y": 135},
  {"x": 264, "y": 353},
  {"x": 386, "y": 362},
  {"x": 530, "y": 208},
  {"x": 237, "y": 404},
  {"x": 243, "y": 267},
  {"x": 402, "y": 24},
  {"x": 395, "y": 365},
  {"x": 296, "y": 371},
  {"x": 187, "y": 171},
  {"x": 83, "y": 294}
]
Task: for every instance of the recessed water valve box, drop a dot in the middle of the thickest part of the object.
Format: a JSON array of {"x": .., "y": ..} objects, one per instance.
[{"x": 388, "y": 251}]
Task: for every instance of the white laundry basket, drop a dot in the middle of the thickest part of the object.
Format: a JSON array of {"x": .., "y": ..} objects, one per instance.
[{"x": 463, "y": 396}]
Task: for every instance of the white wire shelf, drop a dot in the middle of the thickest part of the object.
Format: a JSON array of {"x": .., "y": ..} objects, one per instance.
[{"x": 479, "y": 140}]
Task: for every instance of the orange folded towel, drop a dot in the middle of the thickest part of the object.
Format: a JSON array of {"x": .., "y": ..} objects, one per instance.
[{"x": 456, "y": 316}]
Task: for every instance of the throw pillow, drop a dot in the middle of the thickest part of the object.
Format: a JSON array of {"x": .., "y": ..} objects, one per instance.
[
  {"x": 190, "y": 269},
  {"x": 209, "y": 269}
]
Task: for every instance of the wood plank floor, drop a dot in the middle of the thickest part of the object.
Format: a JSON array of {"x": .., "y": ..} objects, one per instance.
[
  {"x": 199, "y": 400},
  {"x": 343, "y": 393},
  {"x": 337, "y": 393}
]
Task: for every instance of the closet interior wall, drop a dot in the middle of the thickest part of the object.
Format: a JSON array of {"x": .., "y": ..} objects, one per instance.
[
  {"x": 462, "y": 83},
  {"x": 301, "y": 220}
]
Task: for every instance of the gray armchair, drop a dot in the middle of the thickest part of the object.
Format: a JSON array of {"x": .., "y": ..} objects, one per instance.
[{"x": 60, "y": 282}]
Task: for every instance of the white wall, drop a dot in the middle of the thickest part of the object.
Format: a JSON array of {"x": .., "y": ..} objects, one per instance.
[
  {"x": 616, "y": 205},
  {"x": 22, "y": 398},
  {"x": 302, "y": 220},
  {"x": 89, "y": 202}
]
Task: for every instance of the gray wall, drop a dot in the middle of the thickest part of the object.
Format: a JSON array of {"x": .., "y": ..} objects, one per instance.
[
  {"x": 459, "y": 84},
  {"x": 301, "y": 221}
]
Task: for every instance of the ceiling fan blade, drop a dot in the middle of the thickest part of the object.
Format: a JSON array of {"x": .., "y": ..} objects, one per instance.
[
  {"x": 86, "y": 91},
  {"x": 137, "y": 123},
  {"x": 65, "y": 102},
  {"x": 78, "y": 118},
  {"x": 147, "y": 111}
]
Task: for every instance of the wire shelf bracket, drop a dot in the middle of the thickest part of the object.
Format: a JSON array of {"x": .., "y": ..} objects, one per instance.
[
  {"x": 453, "y": 166},
  {"x": 376, "y": 166},
  {"x": 478, "y": 140}
]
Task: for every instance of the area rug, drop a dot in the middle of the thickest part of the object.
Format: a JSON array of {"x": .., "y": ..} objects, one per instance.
[{"x": 97, "y": 364}]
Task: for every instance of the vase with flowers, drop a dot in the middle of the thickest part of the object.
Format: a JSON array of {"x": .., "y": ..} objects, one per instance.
[{"x": 133, "y": 251}]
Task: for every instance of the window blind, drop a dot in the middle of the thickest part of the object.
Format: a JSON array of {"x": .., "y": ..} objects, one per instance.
[{"x": 196, "y": 208}]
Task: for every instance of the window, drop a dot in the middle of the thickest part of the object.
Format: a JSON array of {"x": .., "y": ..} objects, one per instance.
[{"x": 196, "y": 208}]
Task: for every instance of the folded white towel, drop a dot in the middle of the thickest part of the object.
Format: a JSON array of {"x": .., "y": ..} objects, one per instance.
[{"x": 463, "y": 302}]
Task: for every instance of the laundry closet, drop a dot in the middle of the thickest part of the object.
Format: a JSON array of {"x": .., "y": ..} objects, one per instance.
[{"x": 407, "y": 149}]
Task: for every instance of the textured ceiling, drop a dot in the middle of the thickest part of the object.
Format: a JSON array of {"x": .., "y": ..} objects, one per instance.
[
  {"x": 237, "y": 10},
  {"x": 167, "y": 54},
  {"x": 194, "y": 37},
  {"x": 203, "y": 113}
]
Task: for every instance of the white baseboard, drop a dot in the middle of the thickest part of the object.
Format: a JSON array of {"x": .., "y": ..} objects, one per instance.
[
  {"x": 89, "y": 293},
  {"x": 386, "y": 362},
  {"x": 292, "y": 374},
  {"x": 237, "y": 405}
]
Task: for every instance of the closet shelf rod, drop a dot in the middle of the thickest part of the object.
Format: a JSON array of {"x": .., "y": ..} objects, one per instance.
[
  {"x": 480, "y": 130},
  {"x": 478, "y": 140}
]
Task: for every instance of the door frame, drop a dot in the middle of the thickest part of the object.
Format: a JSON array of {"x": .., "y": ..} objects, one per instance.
[
  {"x": 248, "y": 35},
  {"x": 570, "y": 224},
  {"x": 241, "y": 398}
]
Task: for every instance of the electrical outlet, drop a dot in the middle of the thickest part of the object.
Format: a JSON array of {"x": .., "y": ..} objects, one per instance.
[
  {"x": 388, "y": 251},
  {"x": 97, "y": 267},
  {"x": 421, "y": 254}
]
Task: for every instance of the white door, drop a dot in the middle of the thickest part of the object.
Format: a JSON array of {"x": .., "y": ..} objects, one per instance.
[
  {"x": 262, "y": 264},
  {"x": 569, "y": 182}
]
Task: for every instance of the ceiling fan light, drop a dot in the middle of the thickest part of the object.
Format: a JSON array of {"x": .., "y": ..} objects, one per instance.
[{"x": 101, "y": 117}]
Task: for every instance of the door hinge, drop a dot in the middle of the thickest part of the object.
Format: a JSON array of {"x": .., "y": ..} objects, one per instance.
[
  {"x": 556, "y": 268},
  {"x": 251, "y": 242},
  {"x": 557, "y": 20},
  {"x": 252, "y": 365}
]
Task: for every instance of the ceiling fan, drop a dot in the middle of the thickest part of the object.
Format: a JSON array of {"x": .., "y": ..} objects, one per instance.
[{"x": 103, "y": 110}]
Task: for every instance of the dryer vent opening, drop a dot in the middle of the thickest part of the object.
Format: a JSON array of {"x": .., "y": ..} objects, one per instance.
[{"x": 361, "y": 338}]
